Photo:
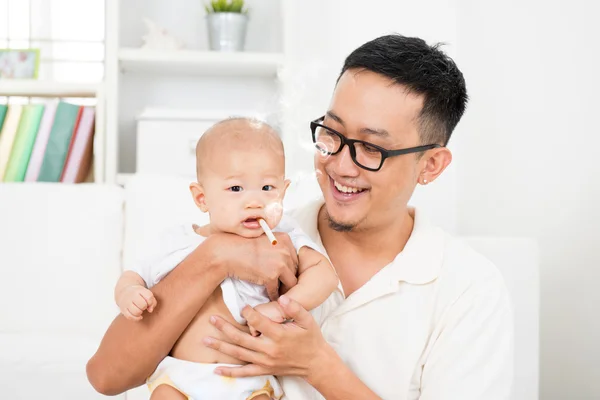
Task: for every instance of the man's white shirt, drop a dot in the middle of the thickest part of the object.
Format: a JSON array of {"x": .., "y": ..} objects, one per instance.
[{"x": 434, "y": 324}]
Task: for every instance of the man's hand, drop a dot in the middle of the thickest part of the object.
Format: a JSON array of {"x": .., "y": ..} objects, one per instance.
[
  {"x": 133, "y": 300},
  {"x": 293, "y": 348},
  {"x": 256, "y": 260},
  {"x": 271, "y": 310}
]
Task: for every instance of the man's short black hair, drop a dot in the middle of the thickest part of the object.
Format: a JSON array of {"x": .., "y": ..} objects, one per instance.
[{"x": 422, "y": 69}]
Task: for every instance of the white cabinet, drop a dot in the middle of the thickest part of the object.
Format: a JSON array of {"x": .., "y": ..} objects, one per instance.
[
  {"x": 168, "y": 146},
  {"x": 166, "y": 139},
  {"x": 193, "y": 78}
]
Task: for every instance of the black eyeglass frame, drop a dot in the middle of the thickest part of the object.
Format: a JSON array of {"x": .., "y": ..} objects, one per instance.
[{"x": 385, "y": 153}]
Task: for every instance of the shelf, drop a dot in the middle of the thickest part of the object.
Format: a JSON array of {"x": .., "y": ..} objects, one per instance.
[
  {"x": 123, "y": 178},
  {"x": 200, "y": 62},
  {"x": 34, "y": 88}
]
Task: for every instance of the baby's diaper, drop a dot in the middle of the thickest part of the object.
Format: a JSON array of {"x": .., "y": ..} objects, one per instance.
[{"x": 198, "y": 381}]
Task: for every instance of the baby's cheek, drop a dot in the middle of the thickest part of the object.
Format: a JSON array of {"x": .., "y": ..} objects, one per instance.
[
  {"x": 273, "y": 212},
  {"x": 223, "y": 217}
]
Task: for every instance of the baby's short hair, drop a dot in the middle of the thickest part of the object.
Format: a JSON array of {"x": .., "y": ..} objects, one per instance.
[{"x": 244, "y": 132}]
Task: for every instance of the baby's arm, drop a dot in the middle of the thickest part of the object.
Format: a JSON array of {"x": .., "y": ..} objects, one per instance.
[
  {"x": 132, "y": 296},
  {"x": 316, "y": 279}
]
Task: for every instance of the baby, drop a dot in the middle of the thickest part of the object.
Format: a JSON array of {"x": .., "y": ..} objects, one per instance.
[{"x": 240, "y": 179}]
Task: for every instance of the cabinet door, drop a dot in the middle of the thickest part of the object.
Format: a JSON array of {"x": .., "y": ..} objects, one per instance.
[{"x": 169, "y": 146}]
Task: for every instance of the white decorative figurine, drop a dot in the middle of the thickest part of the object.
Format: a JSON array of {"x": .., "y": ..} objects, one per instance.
[{"x": 158, "y": 38}]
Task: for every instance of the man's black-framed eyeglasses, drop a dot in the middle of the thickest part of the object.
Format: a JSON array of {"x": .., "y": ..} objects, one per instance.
[{"x": 364, "y": 154}]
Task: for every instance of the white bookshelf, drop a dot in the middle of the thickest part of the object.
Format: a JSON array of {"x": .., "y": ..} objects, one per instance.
[
  {"x": 122, "y": 179},
  {"x": 52, "y": 89},
  {"x": 193, "y": 62},
  {"x": 35, "y": 88},
  {"x": 191, "y": 78}
]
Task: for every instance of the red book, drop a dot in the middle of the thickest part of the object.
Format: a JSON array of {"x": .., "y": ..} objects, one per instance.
[
  {"x": 77, "y": 121},
  {"x": 80, "y": 156}
]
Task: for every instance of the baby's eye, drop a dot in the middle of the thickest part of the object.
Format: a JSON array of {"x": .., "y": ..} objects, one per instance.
[
  {"x": 236, "y": 188},
  {"x": 267, "y": 188}
]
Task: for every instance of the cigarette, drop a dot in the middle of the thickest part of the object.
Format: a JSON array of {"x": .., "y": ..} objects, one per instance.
[{"x": 268, "y": 232}]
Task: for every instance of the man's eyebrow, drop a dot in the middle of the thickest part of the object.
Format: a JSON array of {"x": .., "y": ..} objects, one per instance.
[
  {"x": 371, "y": 131},
  {"x": 335, "y": 117},
  {"x": 378, "y": 132}
]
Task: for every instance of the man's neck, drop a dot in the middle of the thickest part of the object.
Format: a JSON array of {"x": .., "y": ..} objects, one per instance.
[
  {"x": 392, "y": 235},
  {"x": 361, "y": 253}
]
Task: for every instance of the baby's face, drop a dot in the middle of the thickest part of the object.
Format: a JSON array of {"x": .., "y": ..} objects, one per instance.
[{"x": 242, "y": 185}]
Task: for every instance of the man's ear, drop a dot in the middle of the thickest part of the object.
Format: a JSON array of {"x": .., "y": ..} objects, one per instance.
[
  {"x": 434, "y": 162},
  {"x": 198, "y": 195}
]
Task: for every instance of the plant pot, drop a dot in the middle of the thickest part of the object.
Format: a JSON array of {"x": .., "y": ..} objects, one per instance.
[{"x": 227, "y": 31}]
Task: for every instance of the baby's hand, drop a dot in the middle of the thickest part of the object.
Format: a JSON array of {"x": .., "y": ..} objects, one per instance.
[
  {"x": 271, "y": 310},
  {"x": 133, "y": 300}
]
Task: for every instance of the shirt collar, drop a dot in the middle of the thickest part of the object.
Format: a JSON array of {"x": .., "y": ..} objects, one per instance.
[
  {"x": 418, "y": 263},
  {"x": 421, "y": 259}
]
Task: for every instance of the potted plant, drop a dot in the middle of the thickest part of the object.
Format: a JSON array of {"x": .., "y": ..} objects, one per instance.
[{"x": 227, "y": 22}]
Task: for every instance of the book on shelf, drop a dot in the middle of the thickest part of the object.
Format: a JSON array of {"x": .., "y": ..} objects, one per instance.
[
  {"x": 23, "y": 144},
  {"x": 39, "y": 149},
  {"x": 7, "y": 137},
  {"x": 3, "y": 110},
  {"x": 50, "y": 142},
  {"x": 80, "y": 154}
]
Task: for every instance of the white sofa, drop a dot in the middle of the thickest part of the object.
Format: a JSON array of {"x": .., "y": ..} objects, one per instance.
[{"x": 62, "y": 248}]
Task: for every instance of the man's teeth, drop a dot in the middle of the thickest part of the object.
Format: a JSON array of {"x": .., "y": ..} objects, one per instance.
[{"x": 346, "y": 189}]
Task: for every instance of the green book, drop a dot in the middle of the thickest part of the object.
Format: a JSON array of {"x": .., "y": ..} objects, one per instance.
[
  {"x": 3, "y": 111},
  {"x": 23, "y": 144},
  {"x": 57, "y": 149}
]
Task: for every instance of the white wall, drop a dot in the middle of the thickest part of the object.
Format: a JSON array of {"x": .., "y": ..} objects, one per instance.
[
  {"x": 318, "y": 36},
  {"x": 524, "y": 153},
  {"x": 526, "y": 163}
]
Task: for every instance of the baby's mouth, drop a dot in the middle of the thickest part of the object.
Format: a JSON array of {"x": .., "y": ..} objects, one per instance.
[{"x": 251, "y": 223}]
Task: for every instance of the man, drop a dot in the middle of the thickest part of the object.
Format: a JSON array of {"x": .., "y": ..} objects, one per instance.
[{"x": 418, "y": 314}]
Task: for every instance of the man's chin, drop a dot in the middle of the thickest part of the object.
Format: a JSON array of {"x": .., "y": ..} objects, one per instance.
[
  {"x": 340, "y": 227},
  {"x": 340, "y": 224}
]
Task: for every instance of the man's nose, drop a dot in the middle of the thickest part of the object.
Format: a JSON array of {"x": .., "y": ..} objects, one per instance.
[{"x": 344, "y": 165}]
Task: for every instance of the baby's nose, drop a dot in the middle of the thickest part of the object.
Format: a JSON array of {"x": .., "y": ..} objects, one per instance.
[{"x": 254, "y": 203}]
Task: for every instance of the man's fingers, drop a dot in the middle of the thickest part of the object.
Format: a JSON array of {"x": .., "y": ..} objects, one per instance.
[
  {"x": 288, "y": 278},
  {"x": 272, "y": 290},
  {"x": 253, "y": 331},
  {"x": 232, "y": 350},
  {"x": 289, "y": 275},
  {"x": 260, "y": 322},
  {"x": 293, "y": 310},
  {"x": 287, "y": 272},
  {"x": 287, "y": 243},
  {"x": 243, "y": 371},
  {"x": 236, "y": 336}
]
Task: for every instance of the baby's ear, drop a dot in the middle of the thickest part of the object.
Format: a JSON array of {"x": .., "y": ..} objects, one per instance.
[
  {"x": 286, "y": 184},
  {"x": 198, "y": 195}
]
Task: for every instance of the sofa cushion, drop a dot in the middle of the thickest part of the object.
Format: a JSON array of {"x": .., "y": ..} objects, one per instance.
[
  {"x": 46, "y": 367},
  {"x": 518, "y": 261},
  {"x": 60, "y": 253}
]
